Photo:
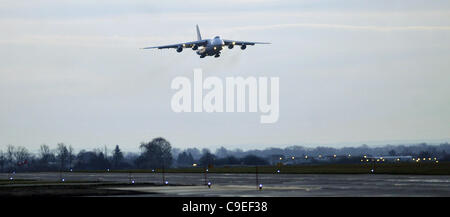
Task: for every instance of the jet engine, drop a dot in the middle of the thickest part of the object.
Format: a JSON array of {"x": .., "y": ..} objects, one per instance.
[
  {"x": 179, "y": 49},
  {"x": 243, "y": 47},
  {"x": 230, "y": 46},
  {"x": 195, "y": 47}
]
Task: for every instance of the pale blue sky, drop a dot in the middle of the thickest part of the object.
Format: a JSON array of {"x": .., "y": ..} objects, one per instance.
[{"x": 350, "y": 71}]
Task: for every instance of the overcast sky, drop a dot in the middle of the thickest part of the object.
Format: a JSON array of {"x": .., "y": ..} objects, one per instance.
[{"x": 350, "y": 71}]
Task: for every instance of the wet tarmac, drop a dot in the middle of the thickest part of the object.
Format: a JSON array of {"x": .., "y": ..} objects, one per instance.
[{"x": 278, "y": 185}]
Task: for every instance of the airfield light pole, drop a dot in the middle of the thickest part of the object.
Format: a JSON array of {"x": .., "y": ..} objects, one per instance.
[
  {"x": 373, "y": 166},
  {"x": 279, "y": 165},
  {"x": 257, "y": 180},
  {"x": 163, "y": 175},
  {"x": 60, "y": 170},
  {"x": 206, "y": 176},
  {"x": 13, "y": 173}
]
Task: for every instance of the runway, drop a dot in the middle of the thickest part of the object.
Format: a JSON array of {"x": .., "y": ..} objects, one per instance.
[{"x": 278, "y": 185}]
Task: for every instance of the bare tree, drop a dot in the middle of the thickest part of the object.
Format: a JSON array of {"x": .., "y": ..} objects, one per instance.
[
  {"x": 392, "y": 152},
  {"x": 45, "y": 153},
  {"x": 117, "y": 157},
  {"x": 10, "y": 157},
  {"x": 22, "y": 156},
  {"x": 62, "y": 155},
  {"x": 2, "y": 160},
  {"x": 155, "y": 154},
  {"x": 70, "y": 156},
  {"x": 45, "y": 157}
]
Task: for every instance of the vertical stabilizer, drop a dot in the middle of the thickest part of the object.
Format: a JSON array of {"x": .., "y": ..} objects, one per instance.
[{"x": 199, "y": 37}]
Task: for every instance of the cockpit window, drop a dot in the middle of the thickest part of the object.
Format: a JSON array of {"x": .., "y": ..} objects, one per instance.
[{"x": 216, "y": 37}]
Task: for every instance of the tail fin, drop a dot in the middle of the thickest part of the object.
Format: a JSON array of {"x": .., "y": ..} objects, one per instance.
[{"x": 199, "y": 37}]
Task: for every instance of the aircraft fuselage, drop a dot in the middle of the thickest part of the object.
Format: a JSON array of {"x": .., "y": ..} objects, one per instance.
[{"x": 212, "y": 48}]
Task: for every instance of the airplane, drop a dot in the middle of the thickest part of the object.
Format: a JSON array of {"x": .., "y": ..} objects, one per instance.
[{"x": 210, "y": 47}]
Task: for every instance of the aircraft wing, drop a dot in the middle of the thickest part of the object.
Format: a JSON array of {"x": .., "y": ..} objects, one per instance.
[
  {"x": 228, "y": 42},
  {"x": 184, "y": 45}
]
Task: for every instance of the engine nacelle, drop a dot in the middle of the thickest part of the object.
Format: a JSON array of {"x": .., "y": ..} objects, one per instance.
[
  {"x": 230, "y": 46},
  {"x": 195, "y": 47},
  {"x": 179, "y": 49},
  {"x": 243, "y": 47}
]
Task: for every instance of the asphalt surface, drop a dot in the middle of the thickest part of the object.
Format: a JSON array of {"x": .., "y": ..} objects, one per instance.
[{"x": 278, "y": 185}]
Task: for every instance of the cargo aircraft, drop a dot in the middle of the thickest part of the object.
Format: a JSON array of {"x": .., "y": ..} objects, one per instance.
[{"x": 208, "y": 47}]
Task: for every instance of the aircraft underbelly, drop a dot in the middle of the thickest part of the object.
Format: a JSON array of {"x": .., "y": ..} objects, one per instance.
[{"x": 211, "y": 51}]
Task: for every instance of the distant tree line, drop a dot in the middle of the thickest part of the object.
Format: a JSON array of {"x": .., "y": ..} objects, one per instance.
[{"x": 159, "y": 153}]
